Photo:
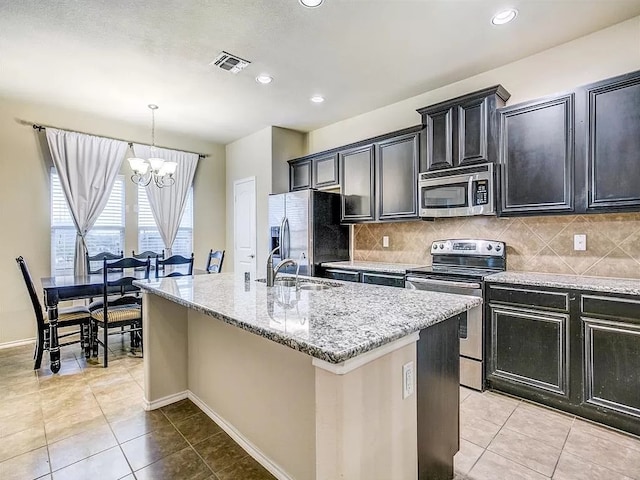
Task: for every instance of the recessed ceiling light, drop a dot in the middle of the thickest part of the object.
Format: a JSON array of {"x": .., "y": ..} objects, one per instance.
[
  {"x": 504, "y": 16},
  {"x": 311, "y": 3},
  {"x": 317, "y": 99},
  {"x": 264, "y": 78}
]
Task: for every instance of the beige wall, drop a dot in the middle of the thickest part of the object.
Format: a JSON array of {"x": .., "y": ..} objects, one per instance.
[
  {"x": 603, "y": 54},
  {"x": 287, "y": 144},
  {"x": 250, "y": 157},
  {"x": 25, "y": 208},
  {"x": 534, "y": 244}
]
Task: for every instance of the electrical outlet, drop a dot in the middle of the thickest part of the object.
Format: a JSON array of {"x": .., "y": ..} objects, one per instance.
[
  {"x": 580, "y": 242},
  {"x": 407, "y": 380},
  {"x": 385, "y": 241}
]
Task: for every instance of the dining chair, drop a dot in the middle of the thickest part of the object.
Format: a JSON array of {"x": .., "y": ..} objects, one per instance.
[
  {"x": 100, "y": 257},
  {"x": 67, "y": 317},
  {"x": 148, "y": 253},
  {"x": 123, "y": 311},
  {"x": 176, "y": 261},
  {"x": 214, "y": 262}
]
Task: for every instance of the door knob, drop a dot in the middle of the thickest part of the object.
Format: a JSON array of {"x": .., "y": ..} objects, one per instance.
[{"x": 252, "y": 256}]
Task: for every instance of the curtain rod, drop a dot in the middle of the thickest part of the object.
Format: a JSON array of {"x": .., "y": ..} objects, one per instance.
[{"x": 44, "y": 127}]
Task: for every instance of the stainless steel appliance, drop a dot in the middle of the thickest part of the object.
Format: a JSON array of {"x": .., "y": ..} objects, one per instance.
[
  {"x": 457, "y": 192},
  {"x": 459, "y": 266},
  {"x": 307, "y": 221}
]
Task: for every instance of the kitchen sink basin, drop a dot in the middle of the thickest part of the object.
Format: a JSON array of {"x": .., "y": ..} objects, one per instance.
[
  {"x": 315, "y": 286},
  {"x": 285, "y": 282}
]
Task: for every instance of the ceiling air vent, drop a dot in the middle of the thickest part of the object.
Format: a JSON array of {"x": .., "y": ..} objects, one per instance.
[{"x": 230, "y": 63}]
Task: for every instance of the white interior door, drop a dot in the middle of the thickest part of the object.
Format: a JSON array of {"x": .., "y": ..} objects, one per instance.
[{"x": 244, "y": 226}]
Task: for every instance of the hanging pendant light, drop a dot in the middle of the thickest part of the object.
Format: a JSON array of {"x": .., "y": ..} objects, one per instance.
[{"x": 154, "y": 168}]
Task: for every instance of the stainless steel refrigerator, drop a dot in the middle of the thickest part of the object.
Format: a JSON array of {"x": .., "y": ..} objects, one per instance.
[{"x": 307, "y": 221}]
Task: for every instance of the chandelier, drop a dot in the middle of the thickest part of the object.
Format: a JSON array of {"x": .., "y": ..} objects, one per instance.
[{"x": 156, "y": 169}]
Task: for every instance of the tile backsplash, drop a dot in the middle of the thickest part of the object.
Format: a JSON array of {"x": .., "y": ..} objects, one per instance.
[{"x": 535, "y": 244}]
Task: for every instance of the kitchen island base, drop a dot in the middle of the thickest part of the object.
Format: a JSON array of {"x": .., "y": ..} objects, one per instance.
[{"x": 299, "y": 420}]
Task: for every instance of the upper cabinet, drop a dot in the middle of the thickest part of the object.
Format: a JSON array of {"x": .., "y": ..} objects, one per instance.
[
  {"x": 608, "y": 143},
  {"x": 357, "y": 180},
  {"x": 318, "y": 171},
  {"x": 536, "y": 154},
  {"x": 573, "y": 153},
  {"x": 463, "y": 130}
]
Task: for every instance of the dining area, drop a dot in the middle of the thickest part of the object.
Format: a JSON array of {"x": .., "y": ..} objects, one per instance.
[{"x": 105, "y": 302}]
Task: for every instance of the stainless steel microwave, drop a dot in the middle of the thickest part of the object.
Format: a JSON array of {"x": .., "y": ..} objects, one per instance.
[{"x": 457, "y": 192}]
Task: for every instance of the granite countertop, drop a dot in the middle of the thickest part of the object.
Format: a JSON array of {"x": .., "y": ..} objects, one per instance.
[
  {"x": 624, "y": 286},
  {"x": 333, "y": 325},
  {"x": 373, "y": 266}
]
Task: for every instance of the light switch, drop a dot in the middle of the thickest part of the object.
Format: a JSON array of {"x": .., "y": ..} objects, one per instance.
[
  {"x": 580, "y": 242},
  {"x": 385, "y": 241}
]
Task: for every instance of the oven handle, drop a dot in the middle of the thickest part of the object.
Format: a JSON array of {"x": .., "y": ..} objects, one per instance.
[{"x": 431, "y": 281}]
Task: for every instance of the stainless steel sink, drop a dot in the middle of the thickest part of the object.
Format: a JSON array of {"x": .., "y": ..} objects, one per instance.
[
  {"x": 285, "y": 282},
  {"x": 315, "y": 286}
]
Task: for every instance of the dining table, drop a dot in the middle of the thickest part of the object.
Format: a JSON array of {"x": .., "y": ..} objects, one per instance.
[{"x": 72, "y": 287}]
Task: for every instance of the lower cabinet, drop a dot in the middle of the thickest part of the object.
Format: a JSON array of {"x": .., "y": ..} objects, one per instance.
[
  {"x": 573, "y": 350},
  {"x": 374, "y": 278}
]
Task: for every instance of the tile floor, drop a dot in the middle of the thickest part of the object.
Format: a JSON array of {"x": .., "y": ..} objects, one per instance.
[{"x": 88, "y": 422}]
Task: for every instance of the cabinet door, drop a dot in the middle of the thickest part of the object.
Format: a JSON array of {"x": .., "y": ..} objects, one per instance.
[
  {"x": 299, "y": 175},
  {"x": 612, "y": 143},
  {"x": 440, "y": 125},
  {"x": 356, "y": 184},
  {"x": 529, "y": 347},
  {"x": 344, "y": 275},
  {"x": 472, "y": 131},
  {"x": 325, "y": 171},
  {"x": 387, "y": 279},
  {"x": 536, "y": 154},
  {"x": 397, "y": 174}
]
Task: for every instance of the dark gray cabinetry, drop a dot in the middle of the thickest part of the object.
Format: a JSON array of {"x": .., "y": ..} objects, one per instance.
[
  {"x": 578, "y": 351},
  {"x": 463, "y": 130},
  {"x": 529, "y": 345},
  {"x": 397, "y": 173},
  {"x": 319, "y": 171},
  {"x": 372, "y": 278},
  {"x": 357, "y": 183},
  {"x": 537, "y": 156},
  {"x": 608, "y": 143},
  {"x": 299, "y": 175}
]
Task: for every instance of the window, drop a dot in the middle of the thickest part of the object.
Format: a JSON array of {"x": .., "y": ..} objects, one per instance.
[
  {"x": 148, "y": 235},
  {"x": 107, "y": 235}
]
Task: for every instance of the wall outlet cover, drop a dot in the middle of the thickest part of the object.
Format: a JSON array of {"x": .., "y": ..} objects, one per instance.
[
  {"x": 407, "y": 380},
  {"x": 580, "y": 242},
  {"x": 385, "y": 241}
]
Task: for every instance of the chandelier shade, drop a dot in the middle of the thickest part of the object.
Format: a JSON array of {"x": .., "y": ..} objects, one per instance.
[{"x": 153, "y": 168}]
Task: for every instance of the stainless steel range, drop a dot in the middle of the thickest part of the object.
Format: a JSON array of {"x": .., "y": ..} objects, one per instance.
[{"x": 459, "y": 266}]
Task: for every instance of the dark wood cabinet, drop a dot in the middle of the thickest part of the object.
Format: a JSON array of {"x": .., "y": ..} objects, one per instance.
[
  {"x": 609, "y": 143},
  {"x": 357, "y": 178},
  {"x": 578, "y": 351},
  {"x": 364, "y": 276},
  {"x": 299, "y": 175},
  {"x": 463, "y": 130},
  {"x": 318, "y": 171},
  {"x": 344, "y": 275},
  {"x": 537, "y": 157},
  {"x": 397, "y": 172},
  {"x": 325, "y": 171}
]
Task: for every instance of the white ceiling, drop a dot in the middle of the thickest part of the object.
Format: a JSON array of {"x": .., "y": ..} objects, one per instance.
[{"x": 115, "y": 57}]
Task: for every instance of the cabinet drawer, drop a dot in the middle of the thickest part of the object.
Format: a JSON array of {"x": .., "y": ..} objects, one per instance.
[
  {"x": 597, "y": 306},
  {"x": 528, "y": 297},
  {"x": 346, "y": 275},
  {"x": 387, "y": 279}
]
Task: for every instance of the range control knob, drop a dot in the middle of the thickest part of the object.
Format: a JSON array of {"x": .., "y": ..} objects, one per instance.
[
  {"x": 489, "y": 247},
  {"x": 498, "y": 248},
  {"x": 441, "y": 246}
]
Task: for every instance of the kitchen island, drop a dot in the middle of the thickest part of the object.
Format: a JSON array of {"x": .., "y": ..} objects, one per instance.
[{"x": 312, "y": 383}]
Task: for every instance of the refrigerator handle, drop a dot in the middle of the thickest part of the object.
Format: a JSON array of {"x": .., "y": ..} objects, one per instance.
[
  {"x": 288, "y": 240},
  {"x": 281, "y": 239}
]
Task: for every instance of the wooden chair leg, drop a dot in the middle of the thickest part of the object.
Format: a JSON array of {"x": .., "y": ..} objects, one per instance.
[
  {"x": 37, "y": 354},
  {"x": 105, "y": 339},
  {"x": 94, "y": 337},
  {"x": 86, "y": 332}
]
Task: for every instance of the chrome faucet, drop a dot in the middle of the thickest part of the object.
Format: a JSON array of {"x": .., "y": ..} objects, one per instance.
[
  {"x": 272, "y": 272},
  {"x": 300, "y": 258}
]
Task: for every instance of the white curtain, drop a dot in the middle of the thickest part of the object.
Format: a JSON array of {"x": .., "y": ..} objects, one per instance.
[
  {"x": 87, "y": 167},
  {"x": 168, "y": 203}
]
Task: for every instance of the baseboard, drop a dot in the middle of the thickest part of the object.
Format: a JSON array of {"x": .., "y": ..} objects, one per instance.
[
  {"x": 164, "y": 401},
  {"x": 249, "y": 447},
  {"x": 17, "y": 343}
]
